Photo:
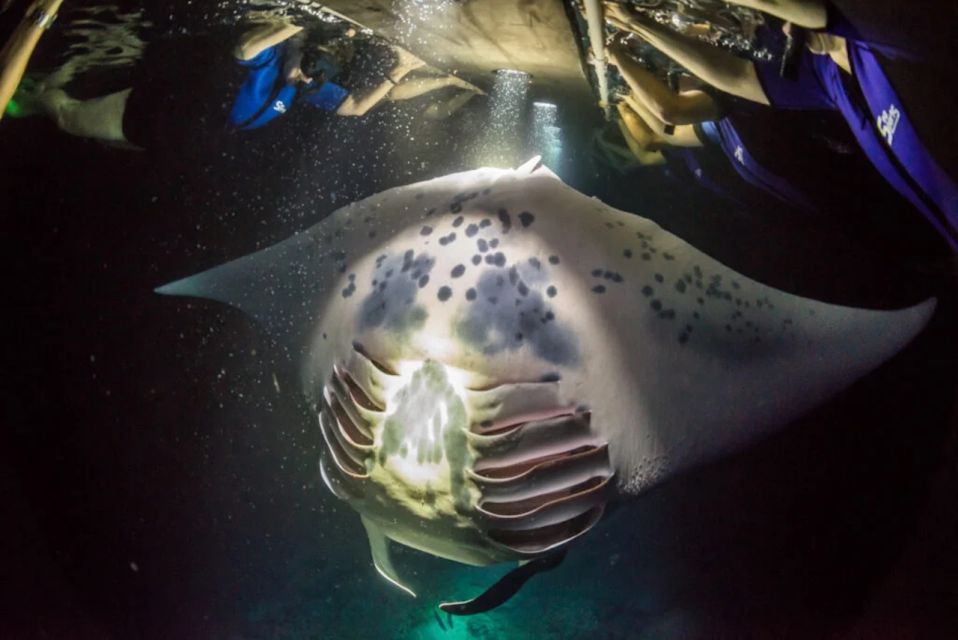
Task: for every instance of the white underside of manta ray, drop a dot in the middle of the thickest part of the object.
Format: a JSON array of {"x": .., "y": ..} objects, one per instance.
[{"x": 492, "y": 356}]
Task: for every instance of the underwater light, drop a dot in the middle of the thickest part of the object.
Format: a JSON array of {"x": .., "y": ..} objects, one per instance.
[{"x": 513, "y": 74}]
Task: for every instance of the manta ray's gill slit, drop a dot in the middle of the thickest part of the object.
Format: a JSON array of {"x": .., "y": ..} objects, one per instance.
[
  {"x": 541, "y": 539},
  {"x": 509, "y": 471},
  {"x": 510, "y": 423},
  {"x": 590, "y": 462},
  {"x": 529, "y": 505},
  {"x": 355, "y": 436},
  {"x": 384, "y": 368},
  {"x": 343, "y": 461},
  {"x": 356, "y": 393}
]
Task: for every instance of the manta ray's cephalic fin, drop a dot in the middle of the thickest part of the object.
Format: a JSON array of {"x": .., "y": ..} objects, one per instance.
[
  {"x": 506, "y": 587},
  {"x": 379, "y": 547}
]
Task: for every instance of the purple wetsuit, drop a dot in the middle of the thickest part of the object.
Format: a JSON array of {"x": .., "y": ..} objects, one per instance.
[{"x": 879, "y": 122}]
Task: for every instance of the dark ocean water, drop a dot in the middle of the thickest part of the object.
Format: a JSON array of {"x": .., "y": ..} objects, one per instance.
[{"x": 159, "y": 467}]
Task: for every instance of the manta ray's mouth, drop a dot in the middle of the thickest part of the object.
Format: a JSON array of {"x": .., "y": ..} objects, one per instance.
[{"x": 510, "y": 464}]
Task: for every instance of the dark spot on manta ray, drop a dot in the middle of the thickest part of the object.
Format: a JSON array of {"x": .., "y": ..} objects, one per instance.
[
  {"x": 425, "y": 231},
  {"x": 470, "y": 294},
  {"x": 447, "y": 239},
  {"x": 494, "y": 243},
  {"x": 455, "y": 207},
  {"x": 482, "y": 245},
  {"x": 659, "y": 277},
  {"x": 597, "y": 273},
  {"x": 518, "y": 337},
  {"x": 498, "y": 259},
  {"x": 372, "y": 234},
  {"x": 627, "y": 253},
  {"x": 647, "y": 291},
  {"x": 444, "y": 294},
  {"x": 476, "y": 259},
  {"x": 526, "y": 218},
  {"x": 534, "y": 262},
  {"x": 457, "y": 221},
  {"x": 599, "y": 288},
  {"x": 324, "y": 335},
  {"x": 457, "y": 271},
  {"x": 489, "y": 327},
  {"x": 551, "y": 291},
  {"x": 656, "y": 305},
  {"x": 485, "y": 222},
  {"x": 553, "y": 259},
  {"x": 613, "y": 276},
  {"x": 423, "y": 281},
  {"x": 552, "y": 376},
  {"x": 430, "y": 212},
  {"x": 646, "y": 257},
  {"x": 506, "y": 220},
  {"x": 680, "y": 286},
  {"x": 471, "y": 230}
]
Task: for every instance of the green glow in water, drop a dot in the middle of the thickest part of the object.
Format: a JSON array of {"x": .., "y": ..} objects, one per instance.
[{"x": 14, "y": 109}]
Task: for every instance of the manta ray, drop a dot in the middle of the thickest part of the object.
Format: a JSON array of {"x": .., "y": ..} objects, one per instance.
[{"x": 494, "y": 358}]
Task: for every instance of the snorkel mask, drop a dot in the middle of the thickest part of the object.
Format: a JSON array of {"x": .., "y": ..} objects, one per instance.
[{"x": 320, "y": 68}]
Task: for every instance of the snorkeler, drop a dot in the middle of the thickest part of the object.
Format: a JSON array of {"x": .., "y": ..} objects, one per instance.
[
  {"x": 286, "y": 69},
  {"x": 175, "y": 99},
  {"x": 682, "y": 124},
  {"x": 836, "y": 73}
]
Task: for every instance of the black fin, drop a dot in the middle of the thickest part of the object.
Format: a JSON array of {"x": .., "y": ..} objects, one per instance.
[{"x": 505, "y": 588}]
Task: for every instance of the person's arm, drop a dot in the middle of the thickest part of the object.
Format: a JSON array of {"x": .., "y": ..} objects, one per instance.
[
  {"x": 414, "y": 87},
  {"x": 719, "y": 68},
  {"x": 680, "y": 136},
  {"x": 16, "y": 53},
  {"x": 691, "y": 107},
  {"x": 360, "y": 105},
  {"x": 644, "y": 155},
  {"x": 254, "y": 42},
  {"x": 810, "y": 14}
]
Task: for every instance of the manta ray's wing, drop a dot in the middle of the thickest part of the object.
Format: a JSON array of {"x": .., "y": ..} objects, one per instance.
[
  {"x": 278, "y": 286},
  {"x": 699, "y": 360}
]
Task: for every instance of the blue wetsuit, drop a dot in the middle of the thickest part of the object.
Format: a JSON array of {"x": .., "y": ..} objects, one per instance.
[
  {"x": 723, "y": 133},
  {"x": 265, "y": 95},
  {"x": 878, "y": 120}
]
